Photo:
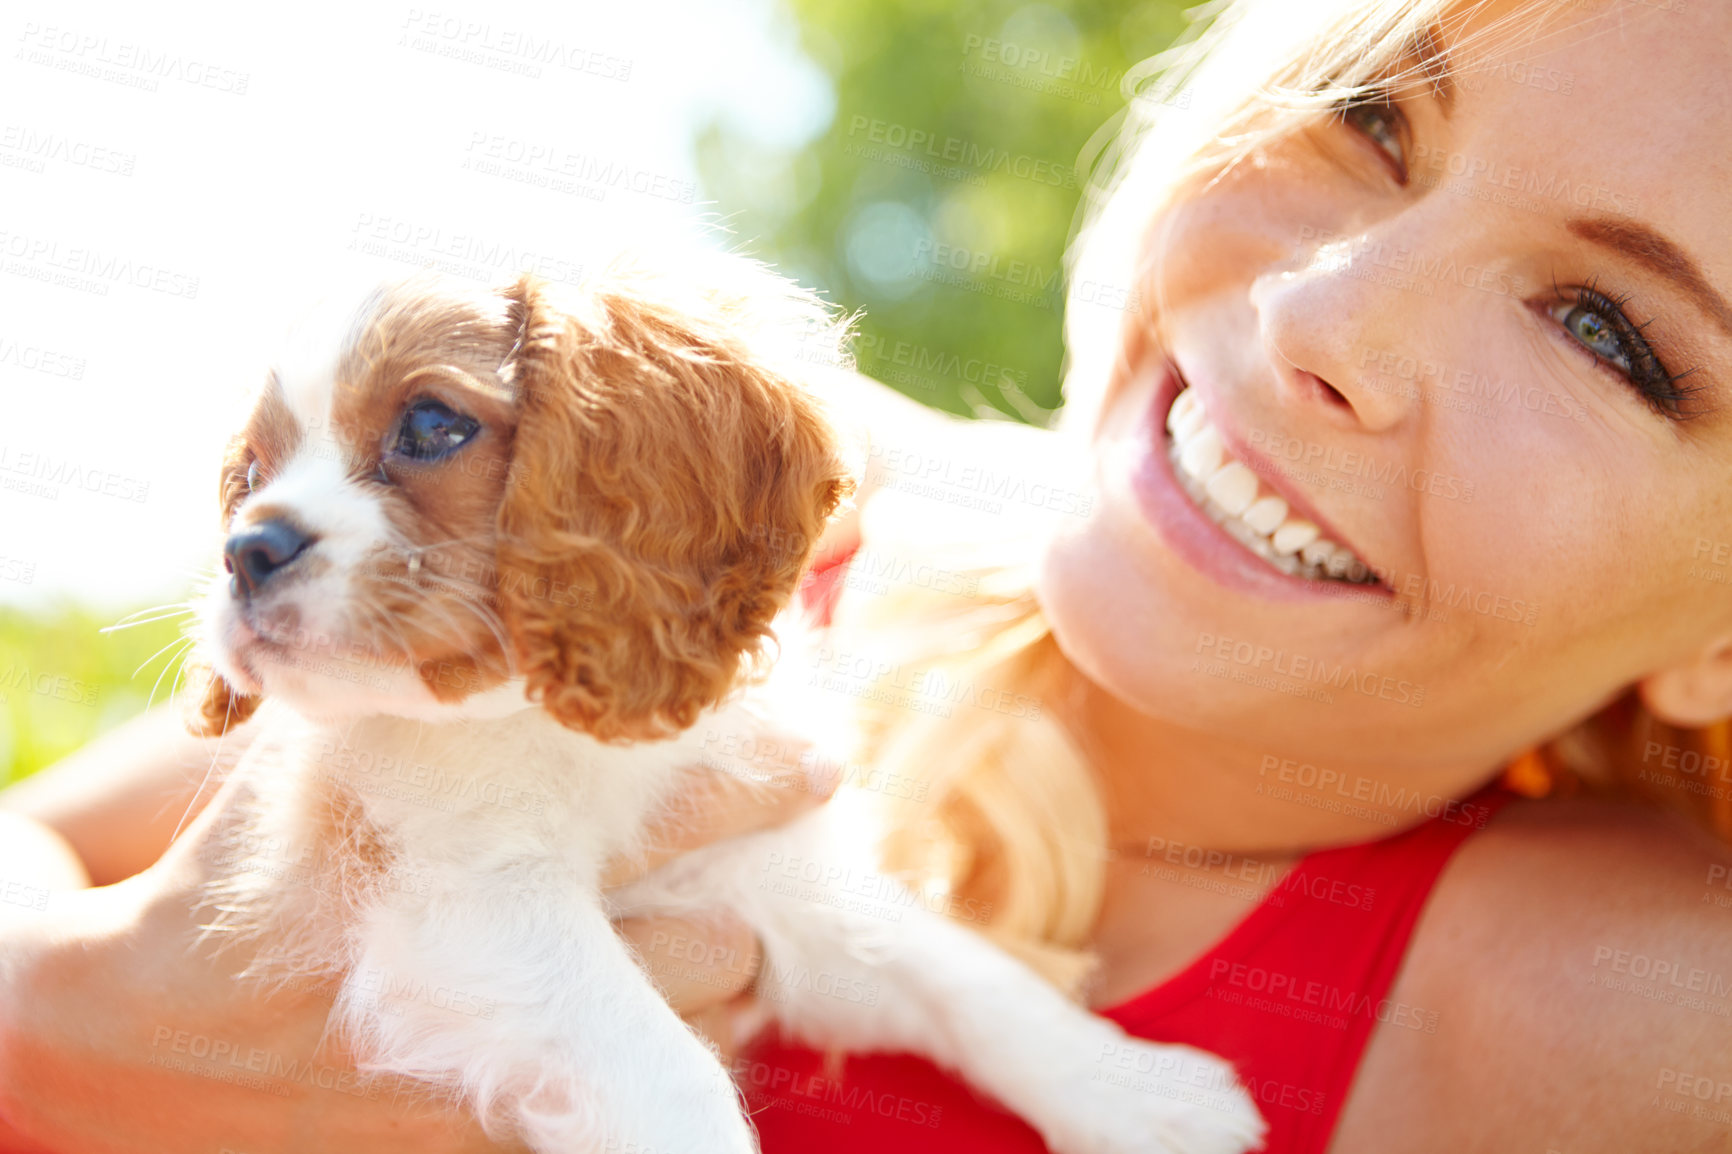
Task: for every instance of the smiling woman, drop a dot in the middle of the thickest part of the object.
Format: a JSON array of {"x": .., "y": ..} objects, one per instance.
[
  {"x": 1396, "y": 483},
  {"x": 1290, "y": 700}
]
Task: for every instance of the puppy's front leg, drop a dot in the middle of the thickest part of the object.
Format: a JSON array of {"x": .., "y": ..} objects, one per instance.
[
  {"x": 853, "y": 960},
  {"x": 523, "y": 999}
]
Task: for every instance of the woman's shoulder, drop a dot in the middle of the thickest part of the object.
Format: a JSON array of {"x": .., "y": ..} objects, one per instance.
[
  {"x": 1588, "y": 880},
  {"x": 1574, "y": 948}
]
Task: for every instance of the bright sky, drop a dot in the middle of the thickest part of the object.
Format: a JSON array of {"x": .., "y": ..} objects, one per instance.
[{"x": 178, "y": 185}]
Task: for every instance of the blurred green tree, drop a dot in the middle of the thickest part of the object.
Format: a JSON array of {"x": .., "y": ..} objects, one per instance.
[
  {"x": 941, "y": 195},
  {"x": 63, "y": 680}
]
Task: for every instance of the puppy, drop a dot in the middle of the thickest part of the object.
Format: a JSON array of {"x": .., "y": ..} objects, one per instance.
[{"x": 491, "y": 557}]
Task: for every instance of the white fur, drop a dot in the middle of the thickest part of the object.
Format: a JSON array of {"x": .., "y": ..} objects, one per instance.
[
  {"x": 488, "y": 966},
  {"x": 481, "y": 958}
]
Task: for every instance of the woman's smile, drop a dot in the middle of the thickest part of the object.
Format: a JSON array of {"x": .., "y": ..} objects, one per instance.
[{"x": 1242, "y": 492}]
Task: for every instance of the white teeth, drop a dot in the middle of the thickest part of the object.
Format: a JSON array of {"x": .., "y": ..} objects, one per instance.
[
  {"x": 1234, "y": 486},
  {"x": 1266, "y": 515},
  {"x": 1294, "y": 536},
  {"x": 1181, "y": 410},
  {"x": 1229, "y": 493},
  {"x": 1186, "y": 425},
  {"x": 1203, "y": 454}
]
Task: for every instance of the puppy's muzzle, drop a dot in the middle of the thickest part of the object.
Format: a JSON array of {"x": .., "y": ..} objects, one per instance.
[{"x": 255, "y": 554}]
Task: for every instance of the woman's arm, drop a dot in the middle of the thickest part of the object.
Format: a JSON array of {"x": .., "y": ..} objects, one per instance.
[
  {"x": 117, "y": 802},
  {"x": 124, "y": 1026}
]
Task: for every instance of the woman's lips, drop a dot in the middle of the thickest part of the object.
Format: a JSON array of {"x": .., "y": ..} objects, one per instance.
[{"x": 1189, "y": 531}]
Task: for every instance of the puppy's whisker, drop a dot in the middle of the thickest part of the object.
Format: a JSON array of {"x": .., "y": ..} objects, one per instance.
[
  {"x": 176, "y": 663},
  {"x": 376, "y": 619},
  {"x": 161, "y": 613},
  {"x": 182, "y": 642},
  {"x": 485, "y": 616}
]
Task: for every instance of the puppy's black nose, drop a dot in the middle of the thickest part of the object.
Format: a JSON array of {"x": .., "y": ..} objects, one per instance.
[{"x": 254, "y": 554}]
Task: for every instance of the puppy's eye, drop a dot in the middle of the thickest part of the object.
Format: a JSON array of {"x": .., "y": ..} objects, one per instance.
[
  {"x": 430, "y": 430},
  {"x": 253, "y": 477}
]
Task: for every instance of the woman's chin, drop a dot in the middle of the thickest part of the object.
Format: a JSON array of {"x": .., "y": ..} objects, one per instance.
[{"x": 1159, "y": 635}]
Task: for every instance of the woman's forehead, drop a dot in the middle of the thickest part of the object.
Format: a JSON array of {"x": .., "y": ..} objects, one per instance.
[
  {"x": 1618, "y": 107},
  {"x": 1605, "y": 123}
]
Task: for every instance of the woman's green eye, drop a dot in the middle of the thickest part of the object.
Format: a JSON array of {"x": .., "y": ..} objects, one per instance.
[
  {"x": 1599, "y": 324},
  {"x": 1381, "y": 123},
  {"x": 1594, "y": 331}
]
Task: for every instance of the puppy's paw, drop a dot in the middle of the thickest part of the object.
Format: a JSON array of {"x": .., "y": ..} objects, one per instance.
[
  {"x": 1144, "y": 1098},
  {"x": 701, "y": 1116}
]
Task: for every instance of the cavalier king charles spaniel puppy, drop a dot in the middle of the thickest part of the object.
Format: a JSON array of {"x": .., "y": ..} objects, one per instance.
[{"x": 490, "y": 559}]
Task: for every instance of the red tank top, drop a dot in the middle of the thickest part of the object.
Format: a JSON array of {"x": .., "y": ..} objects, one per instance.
[{"x": 1289, "y": 996}]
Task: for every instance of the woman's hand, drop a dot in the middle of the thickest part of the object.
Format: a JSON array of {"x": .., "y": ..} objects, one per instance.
[
  {"x": 122, "y": 1028},
  {"x": 707, "y": 969}
]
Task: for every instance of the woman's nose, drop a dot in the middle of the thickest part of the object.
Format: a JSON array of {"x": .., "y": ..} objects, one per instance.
[{"x": 1317, "y": 324}]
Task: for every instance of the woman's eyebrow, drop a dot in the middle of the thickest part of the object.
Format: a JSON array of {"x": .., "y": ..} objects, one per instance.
[{"x": 1656, "y": 253}]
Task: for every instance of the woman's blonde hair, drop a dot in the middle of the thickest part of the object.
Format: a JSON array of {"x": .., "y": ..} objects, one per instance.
[{"x": 1006, "y": 828}]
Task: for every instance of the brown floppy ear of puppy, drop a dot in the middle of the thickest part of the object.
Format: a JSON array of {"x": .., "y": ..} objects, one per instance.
[
  {"x": 213, "y": 707},
  {"x": 666, "y": 491}
]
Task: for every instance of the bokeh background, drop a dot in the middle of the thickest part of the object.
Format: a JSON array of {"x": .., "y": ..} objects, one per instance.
[{"x": 178, "y": 182}]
